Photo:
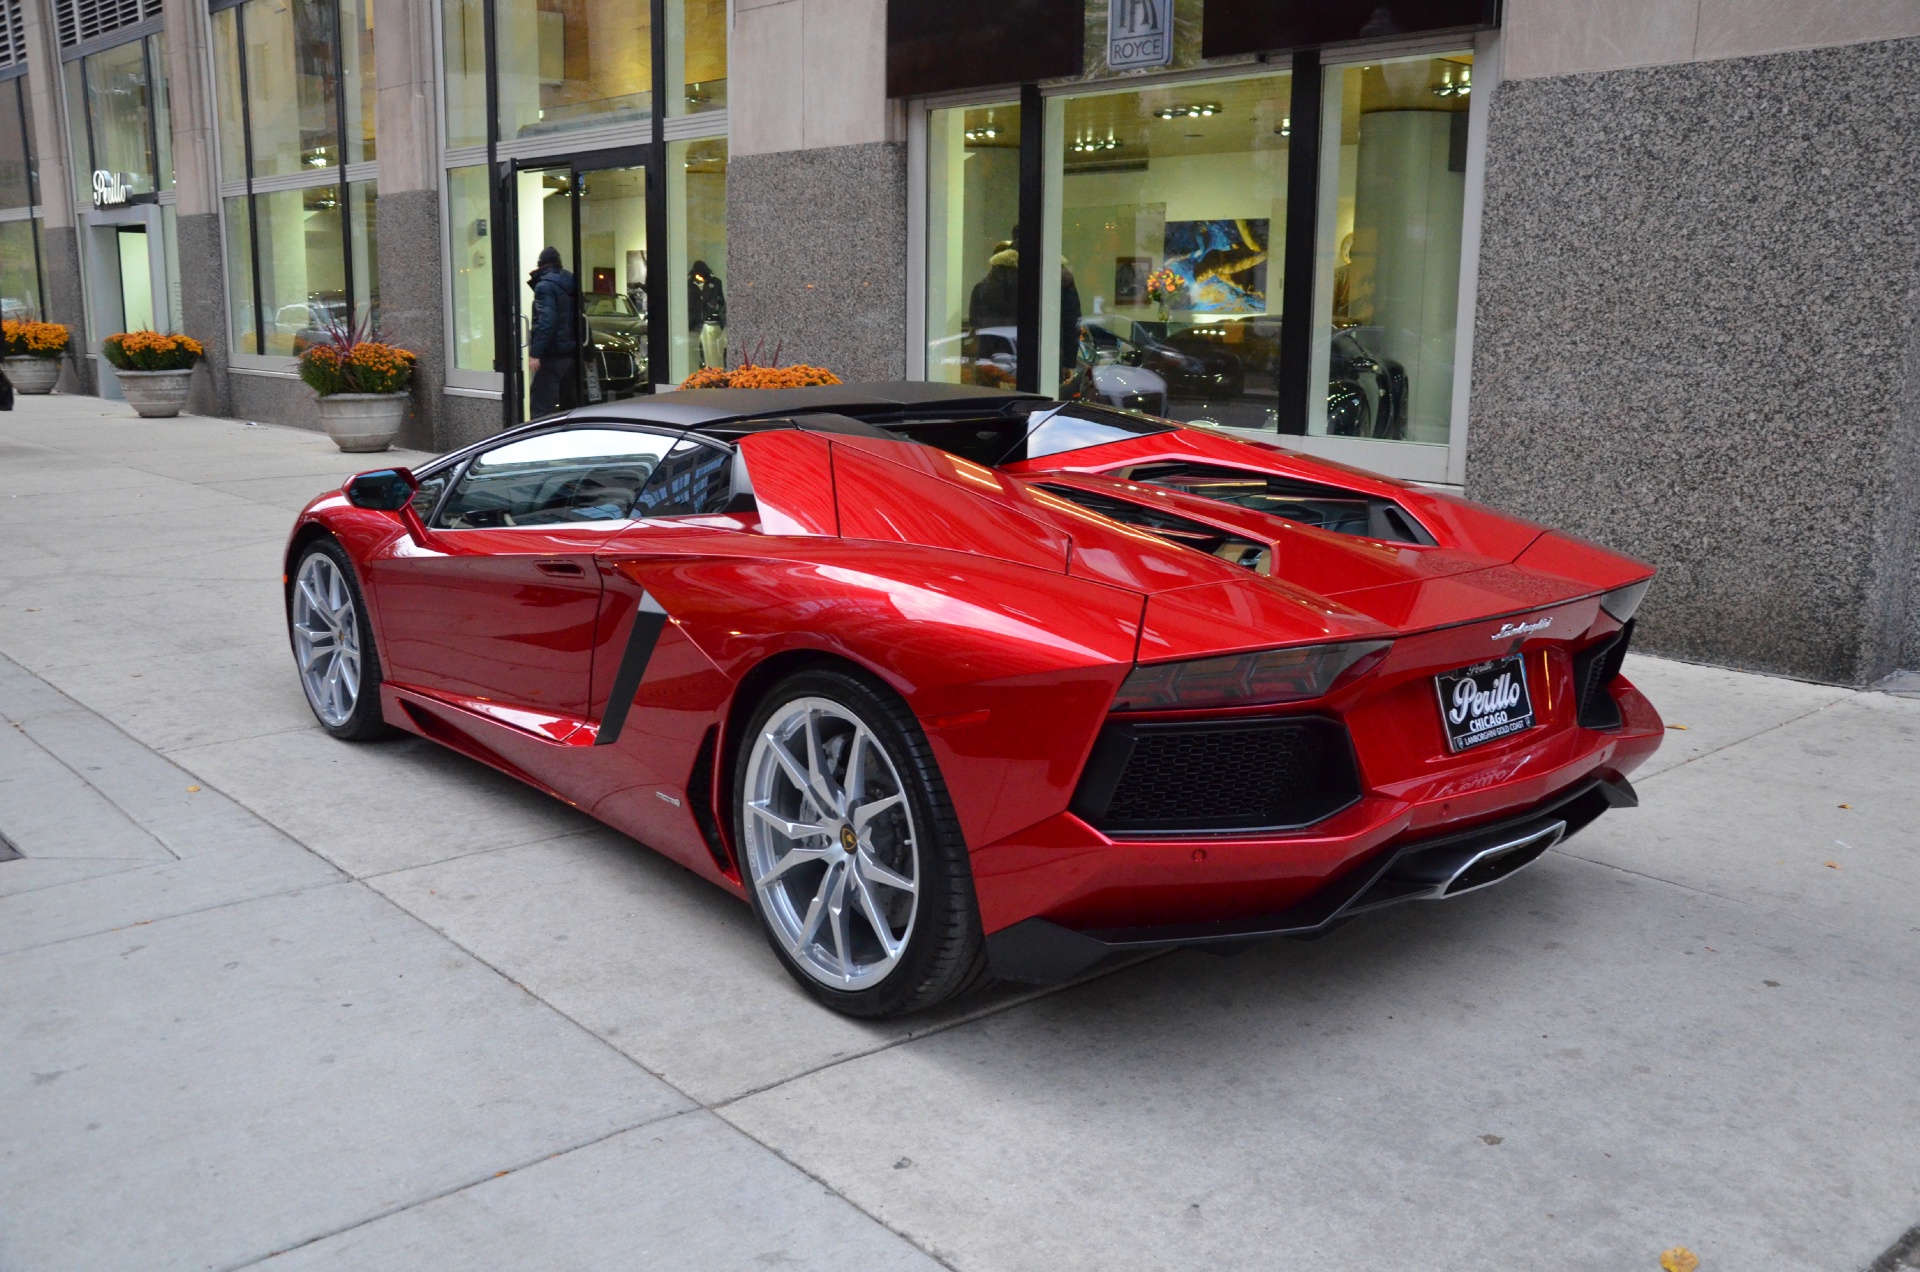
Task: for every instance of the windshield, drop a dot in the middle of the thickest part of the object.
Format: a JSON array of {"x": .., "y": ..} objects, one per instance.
[{"x": 603, "y": 306}]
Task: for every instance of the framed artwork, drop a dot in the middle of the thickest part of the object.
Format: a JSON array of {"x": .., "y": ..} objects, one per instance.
[{"x": 1224, "y": 263}]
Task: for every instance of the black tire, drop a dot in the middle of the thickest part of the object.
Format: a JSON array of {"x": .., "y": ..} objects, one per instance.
[
  {"x": 945, "y": 952},
  {"x": 364, "y": 723}
]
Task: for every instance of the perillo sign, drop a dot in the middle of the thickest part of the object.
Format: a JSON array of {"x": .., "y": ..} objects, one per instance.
[{"x": 110, "y": 188}]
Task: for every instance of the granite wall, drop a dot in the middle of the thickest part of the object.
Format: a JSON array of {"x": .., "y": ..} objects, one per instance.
[
  {"x": 1696, "y": 342},
  {"x": 60, "y": 259},
  {"x": 203, "y": 308},
  {"x": 412, "y": 315},
  {"x": 816, "y": 250}
]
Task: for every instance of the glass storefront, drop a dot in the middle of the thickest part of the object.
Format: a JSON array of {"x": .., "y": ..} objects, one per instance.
[
  {"x": 973, "y": 268},
  {"x": 647, "y": 310},
  {"x": 1171, "y": 201},
  {"x": 1393, "y": 164},
  {"x": 119, "y": 121},
  {"x": 294, "y": 87},
  {"x": 21, "y": 292},
  {"x": 697, "y": 231},
  {"x": 1167, "y": 240}
]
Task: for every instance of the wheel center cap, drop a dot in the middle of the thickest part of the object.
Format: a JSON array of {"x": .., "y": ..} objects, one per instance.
[{"x": 848, "y": 840}]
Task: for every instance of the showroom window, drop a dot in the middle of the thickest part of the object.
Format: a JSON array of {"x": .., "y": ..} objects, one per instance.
[
  {"x": 1393, "y": 181},
  {"x": 294, "y": 82},
  {"x": 1171, "y": 201},
  {"x": 22, "y": 291},
  {"x": 553, "y": 144},
  {"x": 973, "y": 269},
  {"x": 1271, "y": 244}
]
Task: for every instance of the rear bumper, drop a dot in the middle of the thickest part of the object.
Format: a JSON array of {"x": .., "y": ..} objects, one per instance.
[{"x": 1040, "y": 952}]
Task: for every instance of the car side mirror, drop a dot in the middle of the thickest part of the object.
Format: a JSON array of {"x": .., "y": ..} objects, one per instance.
[{"x": 383, "y": 489}]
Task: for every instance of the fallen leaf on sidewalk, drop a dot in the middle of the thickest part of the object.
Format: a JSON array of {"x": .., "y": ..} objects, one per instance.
[
  {"x": 1831, "y": 865},
  {"x": 1681, "y": 727},
  {"x": 192, "y": 789},
  {"x": 1679, "y": 1259},
  {"x": 1846, "y": 805}
]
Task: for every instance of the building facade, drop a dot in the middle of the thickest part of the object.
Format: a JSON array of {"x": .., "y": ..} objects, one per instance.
[{"x": 1648, "y": 271}]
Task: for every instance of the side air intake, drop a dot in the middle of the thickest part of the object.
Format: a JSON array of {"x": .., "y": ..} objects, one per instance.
[{"x": 1594, "y": 668}]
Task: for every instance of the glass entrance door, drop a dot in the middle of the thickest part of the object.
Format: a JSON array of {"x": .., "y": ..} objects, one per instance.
[
  {"x": 579, "y": 323},
  {"x": 136, "y": 278}
]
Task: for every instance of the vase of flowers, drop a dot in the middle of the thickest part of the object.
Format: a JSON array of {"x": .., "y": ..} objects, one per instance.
[
  {"x": 32, "y": 354},
  {"x": 155, "y": 369},
  {"x": 1166, "y": 290},
  {"x": 364, "y": 387}
]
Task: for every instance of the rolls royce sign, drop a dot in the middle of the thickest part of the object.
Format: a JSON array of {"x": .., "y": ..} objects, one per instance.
[{"x": 1139, "y": 33}]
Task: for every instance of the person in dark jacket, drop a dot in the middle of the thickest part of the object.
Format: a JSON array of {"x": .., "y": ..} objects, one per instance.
[
  {"x": 553, "y": 338},
  {"x": 995, "y": 301}
]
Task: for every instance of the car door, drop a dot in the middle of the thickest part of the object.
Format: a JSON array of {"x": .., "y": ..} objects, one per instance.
[{"x": 497, "y": 597}]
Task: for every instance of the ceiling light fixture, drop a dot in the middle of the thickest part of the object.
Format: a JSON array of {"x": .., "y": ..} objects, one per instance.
[
  {"x": 985, "y": 132},
  {"x": 1092, "y": 145},
  {"x": 1451, "y": 87},
  {"x": 1286, "y": 127},
  {"x": 1197, "y": 110}
]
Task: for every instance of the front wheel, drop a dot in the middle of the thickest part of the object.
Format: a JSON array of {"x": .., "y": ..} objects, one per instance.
[
  {"x": 852, "y": 853},
  {"x": 333, "y": 643}
]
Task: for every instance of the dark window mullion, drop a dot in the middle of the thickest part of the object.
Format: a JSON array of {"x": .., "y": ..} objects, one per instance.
[
  {"x": 33, "y": 193},
  {"x": 660, "y": 327},
  {"x": 340, "y": 147},
  {"x": 1027, "y": 315},
  {"x": 253, "y": 205},
  {"x": 153, "y": 124},
  {"x": 1303, "y": 219}
]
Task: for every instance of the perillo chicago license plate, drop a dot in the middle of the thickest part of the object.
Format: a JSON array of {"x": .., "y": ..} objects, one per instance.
[{"x": 1485, "y": 702}]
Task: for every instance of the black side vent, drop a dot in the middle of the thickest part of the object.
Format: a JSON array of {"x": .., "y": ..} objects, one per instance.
[
  {"x": 1594, "y": 668},
  {"x": 1309, "y": 503},
  {"x": 700, "y": 799},
  {"x": 1187, "y": 533},
  {"x": 1217, "y": 776}
]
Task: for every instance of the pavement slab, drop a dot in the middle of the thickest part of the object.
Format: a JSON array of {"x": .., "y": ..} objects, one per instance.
[
  {"x": 1694, "y": 1024},
  {"x": 216, "y": 1096},
  {"x": 647, "y": 1198}
]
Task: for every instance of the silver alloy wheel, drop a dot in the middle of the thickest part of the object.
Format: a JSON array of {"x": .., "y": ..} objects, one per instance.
[
  {"x": 326, "y": 639},
  {"x": 830, "y": 843}
]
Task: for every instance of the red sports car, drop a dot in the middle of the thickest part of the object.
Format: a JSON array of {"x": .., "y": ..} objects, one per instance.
[{"x": 949, "y": 682}]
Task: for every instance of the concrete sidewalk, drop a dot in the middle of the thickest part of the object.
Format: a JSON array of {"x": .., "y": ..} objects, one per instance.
[{"x": 263, "y": 993}]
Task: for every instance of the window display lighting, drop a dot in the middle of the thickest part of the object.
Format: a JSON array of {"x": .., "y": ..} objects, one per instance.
[
  {"x": 985, "y": 132},
  {"x": 1452, "y": 87},
  {"x": 1091, "y": 145},
  {"x": 1197, "y": 110}
]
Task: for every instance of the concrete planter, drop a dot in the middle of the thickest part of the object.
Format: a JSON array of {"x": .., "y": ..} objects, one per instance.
[
  {"x": 363, "y": 421},
  {"x": 155, "y": 394},
  {"x": 32, "y": 375}
]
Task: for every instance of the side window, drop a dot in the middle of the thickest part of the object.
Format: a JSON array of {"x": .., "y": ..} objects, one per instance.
[
  {"x": 693, "y": 478},
  {"x": 558, "y": 478}
]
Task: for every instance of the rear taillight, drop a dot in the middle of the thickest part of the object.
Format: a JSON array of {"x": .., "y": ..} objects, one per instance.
[{"x": 1242, "y": 680}]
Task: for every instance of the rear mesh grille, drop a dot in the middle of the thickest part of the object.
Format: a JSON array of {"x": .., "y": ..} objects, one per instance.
[
  {"x": 1594, "y": 668},
  {"x": 1217, "y": 776}
]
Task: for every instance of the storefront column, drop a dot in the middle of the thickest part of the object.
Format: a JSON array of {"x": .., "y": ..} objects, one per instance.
[
  {"x": 409, "y": 232},
  {"x": 196, "y": 183},
  {"x": 816, "y": 189},
  {"x": 59, "y": 238}
]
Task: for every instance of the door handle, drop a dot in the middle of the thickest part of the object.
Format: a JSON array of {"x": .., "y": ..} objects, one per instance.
[{"x": 561, "y": 569}]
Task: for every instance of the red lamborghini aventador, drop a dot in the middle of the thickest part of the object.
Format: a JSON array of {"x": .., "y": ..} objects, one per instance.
[{"x": 949, "y": 682}]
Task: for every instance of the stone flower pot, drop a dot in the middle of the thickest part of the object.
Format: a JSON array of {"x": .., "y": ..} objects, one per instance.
[
  {"x": 155, "y": 394},
  {"x": 363, "y": 421},
  {"x": 32, "y": 375}
]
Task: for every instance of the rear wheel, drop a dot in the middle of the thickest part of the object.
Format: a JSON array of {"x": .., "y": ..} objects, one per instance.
[
  {"x": 333, "y": 643},
  {"x": 853, "y": 856}
]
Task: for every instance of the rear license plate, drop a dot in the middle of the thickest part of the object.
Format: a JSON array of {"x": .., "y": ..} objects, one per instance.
[{"x": 1485, "y": 702}]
